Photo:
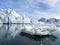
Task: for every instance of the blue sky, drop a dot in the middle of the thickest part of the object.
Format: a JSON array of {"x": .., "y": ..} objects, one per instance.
[{"x": 34, "y": 8}]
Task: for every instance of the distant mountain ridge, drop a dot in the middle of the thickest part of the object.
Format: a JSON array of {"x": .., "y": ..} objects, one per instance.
[
  {"x": 42, "y": 19},
  {"x": 50, "y": 20}
]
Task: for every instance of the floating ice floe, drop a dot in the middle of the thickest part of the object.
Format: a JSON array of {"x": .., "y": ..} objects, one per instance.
[{"x": 38, "y": 31}]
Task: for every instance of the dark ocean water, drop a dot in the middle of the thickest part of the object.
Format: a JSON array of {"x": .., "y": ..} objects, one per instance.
[{"x": 11, "y": 35}]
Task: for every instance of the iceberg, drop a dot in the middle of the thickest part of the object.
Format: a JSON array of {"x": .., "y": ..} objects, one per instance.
[
  {"x": 39, "y": 29},
  {"x": 35, "y": 31},
  {"x": 9, "y": 15},
  {"x": 29, "y": 26}
]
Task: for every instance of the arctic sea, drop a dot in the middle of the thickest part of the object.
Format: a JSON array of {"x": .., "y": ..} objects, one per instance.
[{"x": 12, "y": 35}]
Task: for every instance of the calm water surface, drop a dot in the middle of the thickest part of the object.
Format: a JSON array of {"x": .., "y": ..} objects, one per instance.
[{"x": 11, "y": 35}]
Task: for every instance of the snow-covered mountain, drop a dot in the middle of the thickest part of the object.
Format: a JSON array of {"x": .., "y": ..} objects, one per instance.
[
  {"x": 9, "y": 15},
  {"x": 51, "y": 20},
  {"x": 42, "y": 20}
]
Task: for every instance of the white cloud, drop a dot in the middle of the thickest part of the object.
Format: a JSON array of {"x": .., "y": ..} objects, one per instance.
[
  {"x": 47, "y": 15},
  {"x": 51, "y": 2},
  {"x": 53, "y": 11},
  {"x": 54, "y": 7}
]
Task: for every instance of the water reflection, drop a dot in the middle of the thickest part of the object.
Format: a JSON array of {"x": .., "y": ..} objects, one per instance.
[
  {"x": 38, "y": 38},
  {"x": 41, "y": 39},
  {"x": 10, "y": 32}
]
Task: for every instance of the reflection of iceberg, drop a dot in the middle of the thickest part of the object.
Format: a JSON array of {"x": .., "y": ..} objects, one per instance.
[
  {"x": 11, "y": 30},
  {"x": 38, "y": 38},
  {"x": 15, "y": 29},
  {"x": 3, "y": 30},
  {"x": 41, "y": 39}
]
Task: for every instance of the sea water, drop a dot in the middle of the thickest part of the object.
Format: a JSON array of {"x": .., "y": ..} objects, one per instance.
[{"x": 11, "y": 35}]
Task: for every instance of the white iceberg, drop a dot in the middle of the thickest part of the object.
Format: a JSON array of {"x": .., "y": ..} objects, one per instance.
[
  {"x": 41, "y": 30},
  {"x": 11, "y": 16}
]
